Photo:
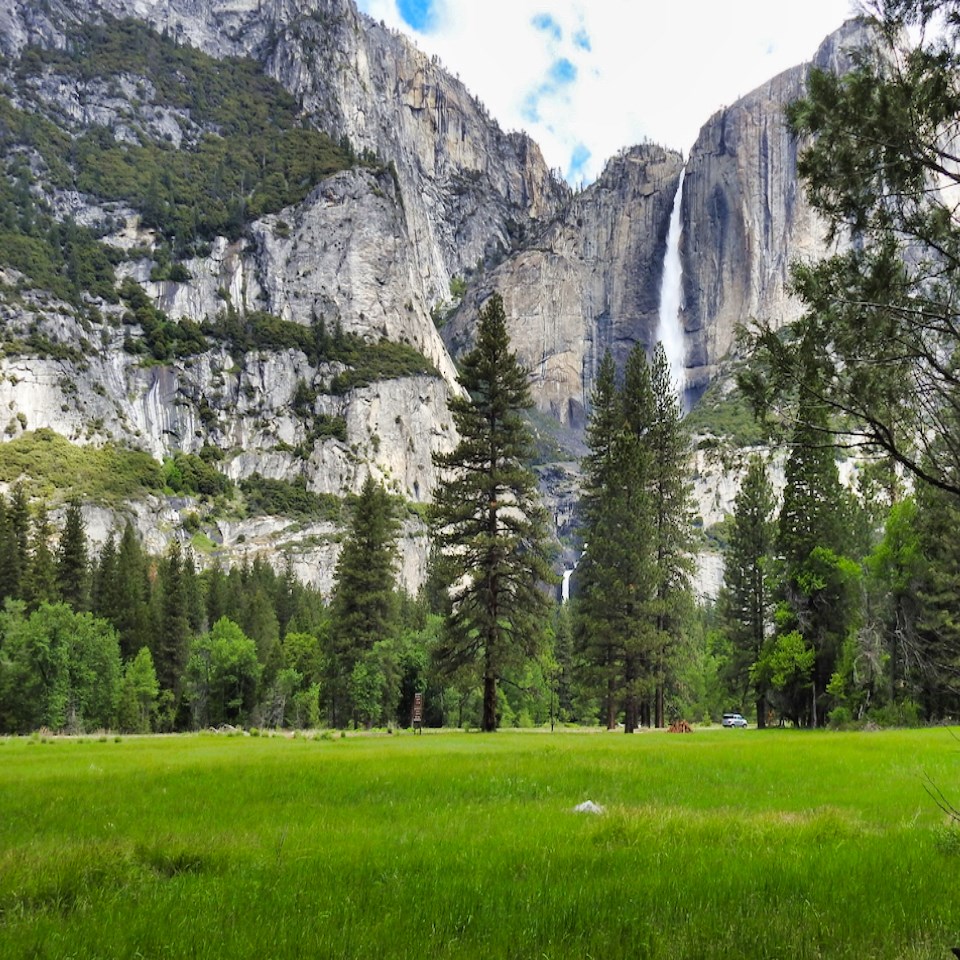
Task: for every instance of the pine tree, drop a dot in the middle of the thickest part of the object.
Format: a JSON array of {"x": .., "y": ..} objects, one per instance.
[
  {"x": 9, "y": 555},
  {"x": 818, "y": 582},
  {"x": 935, "y": 672},
  {"x": 879, "y": 165},
  {"x": 634, "y": 597},
  {"x": 488, "y": 518},
  {"x": 596, "y": 609},
  {"x": 20, "y": 528},
  {"x": 171, "y": 642},
  {"x": 746, "y": 599},
  {"x": 131, "y": 614},
  {"x": 73, "y": 573},
  {"x": 103, "y": 585},
  {"x": 670, "y": 494},
  {"x": 364, "y": 605},
  {"x": 40, "y": 584}
]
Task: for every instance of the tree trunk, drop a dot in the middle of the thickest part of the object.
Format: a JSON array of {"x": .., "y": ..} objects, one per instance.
[
  {"x": 645, "y": 714},
  {"x": 611, "y": 705},
  {"x": 761, "y": 713},
  {"x": 658, "y": 706},
  {"x": 489, "y": 703},
  {"x": 630, "y": 714}
]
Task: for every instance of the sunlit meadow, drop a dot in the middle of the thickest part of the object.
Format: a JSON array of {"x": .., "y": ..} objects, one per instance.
[{"x": 723, "y": 843}]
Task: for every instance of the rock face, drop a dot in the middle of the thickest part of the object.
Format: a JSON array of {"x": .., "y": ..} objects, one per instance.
[
  {"x": 375, "y": 249},
  {"x": 469, "y": 189},
  {"x": 745, "y": 216},
  {"x": 592, "y": 279},
  {"x": 372, "y": 249},
  {"x": 590, "y": 282}
]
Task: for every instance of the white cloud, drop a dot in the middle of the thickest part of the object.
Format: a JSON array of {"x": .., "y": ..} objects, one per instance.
[{"x": 628, "y": 70}]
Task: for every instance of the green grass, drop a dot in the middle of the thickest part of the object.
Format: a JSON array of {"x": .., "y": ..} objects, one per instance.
[{"x": 720, "y": 844}]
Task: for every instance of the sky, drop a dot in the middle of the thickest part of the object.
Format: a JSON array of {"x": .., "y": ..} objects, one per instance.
[{"x": 587, "y": 77}]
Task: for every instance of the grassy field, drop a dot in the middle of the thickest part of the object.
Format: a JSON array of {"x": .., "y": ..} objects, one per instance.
[{"x": 725, "y": 843}]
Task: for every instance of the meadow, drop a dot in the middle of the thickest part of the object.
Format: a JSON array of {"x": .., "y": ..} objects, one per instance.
[{"x": 723, "y": 843}]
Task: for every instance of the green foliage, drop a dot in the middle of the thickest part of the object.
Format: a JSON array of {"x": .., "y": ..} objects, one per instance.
[
  {"x": 61, "y": 257},
  {"x": 819, "y": 581},
  {"x": 488, "y": 518},
  {"x": 162, "y": 338},
  {"x": 260, "y": 826},
  {"x": 48, "y": 462},
  {"x": 73, "y": 574},
  {"x": 724, "y": 412},
  {"x": 288, "y": 498},
  {"x": 222, "y": 673},
  {"x": 364, "y": 608},
  {"x": 746, "y": 598},
  {"x": 634, "y": 605},
  {"x": 245, "y": 152},
  {"x": 190, "y": 473},
  {"x": 366, "y": 362},
  {"x": 458, "y": 287},
  {"x": 881, "y": 319},
  {"x": 139, "y": 691},
  {"x": 59, "y": 669}
]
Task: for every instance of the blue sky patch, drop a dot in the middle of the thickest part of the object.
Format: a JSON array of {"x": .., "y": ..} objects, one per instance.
[
  {"x": 530, "y": 110},
  {"x": 546, "y": 23},
  {"x": 562, "y": 72},
  {"x": 581, "y": 39},
  {"x": 419, "y": 14},
  {"x": 579, "y": 159}
]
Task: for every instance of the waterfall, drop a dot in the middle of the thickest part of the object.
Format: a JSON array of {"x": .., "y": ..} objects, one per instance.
[
  {"x": 669, "y": 328},
  {"x": 565, "y": 585}
]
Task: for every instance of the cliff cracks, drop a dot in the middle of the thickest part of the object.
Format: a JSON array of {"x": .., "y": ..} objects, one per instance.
[{"x": 436, "y": 198}]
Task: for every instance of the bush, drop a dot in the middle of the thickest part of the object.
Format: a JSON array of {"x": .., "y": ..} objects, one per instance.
[
  {"x": 840, "y": 717},
  {"x": 266, "y": 496}
]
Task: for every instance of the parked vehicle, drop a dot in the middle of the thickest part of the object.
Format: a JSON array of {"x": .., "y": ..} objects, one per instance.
[{"x": 733, "y": 720}]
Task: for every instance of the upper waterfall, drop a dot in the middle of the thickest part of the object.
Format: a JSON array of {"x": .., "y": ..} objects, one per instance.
[{"x": 669, "y": 329}]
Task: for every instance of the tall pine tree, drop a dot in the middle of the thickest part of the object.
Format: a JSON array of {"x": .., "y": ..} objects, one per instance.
[
  {"x": 668, "y": 449},
  {"x": 364, "y": 607},
  {"x": 488, "y": 518},
  {"x": 73, "y": 572},
  {"x": 746, "y": 598}
]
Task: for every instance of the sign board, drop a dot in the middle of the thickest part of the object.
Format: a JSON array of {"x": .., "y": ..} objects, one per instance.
[{"x": 417, "y": 715}]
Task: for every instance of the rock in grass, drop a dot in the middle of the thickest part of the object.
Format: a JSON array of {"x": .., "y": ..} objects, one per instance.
[{"x": 588, "y": 806}]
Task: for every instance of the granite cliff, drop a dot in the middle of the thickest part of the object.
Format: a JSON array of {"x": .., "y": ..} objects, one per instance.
[
  {"x": 370, "y": 250},
  {"x": 745, "y": 216},
  {"x": 592, "y": 279},
  {"x": 225, "y": 352}
]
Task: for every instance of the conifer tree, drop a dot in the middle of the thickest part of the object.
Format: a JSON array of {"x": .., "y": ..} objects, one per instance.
[
  {"x": 104, "y": 581},
  {"x": 20, "y": 528},
  {"x": 9, "y": 555},
  {"x": 935, "y": 672},
  {"x": 818, "y": 582},
  {"x": 670, "y": 493},
  {"x": 172, "y": 639},
  {"x": 73, "y": 573},
  {"x": 40, "y": 584},
  {"x": 364, "y": 605},
  {"x": 130, "y": 611},
  {"x": 746, "y": 598},
  {"x": 597, "y": 605},
  {"x": 488, "y": 518}
]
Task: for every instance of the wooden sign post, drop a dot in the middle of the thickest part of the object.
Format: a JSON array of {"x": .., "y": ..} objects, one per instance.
[{"x": 417, "y": 716}]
